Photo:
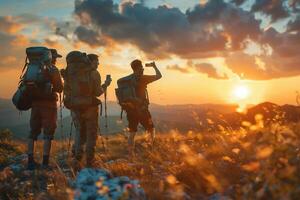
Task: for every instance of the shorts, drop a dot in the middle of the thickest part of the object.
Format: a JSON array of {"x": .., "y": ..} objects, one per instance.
[
  {"x": 135, "y": 117},
  {"x": 43, "y": 117}
]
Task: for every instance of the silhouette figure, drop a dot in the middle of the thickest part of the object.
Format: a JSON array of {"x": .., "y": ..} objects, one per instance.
[
  {"x": 44, "y": 108},
  {"x": 82, "y": 87},
  {"x": 133, "y": 97}
]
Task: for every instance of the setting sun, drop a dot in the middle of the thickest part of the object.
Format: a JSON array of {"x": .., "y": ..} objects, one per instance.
[{"x": 241, "y": 92}]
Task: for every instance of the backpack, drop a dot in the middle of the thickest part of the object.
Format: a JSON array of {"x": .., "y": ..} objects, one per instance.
[
  {"x": 77, "y": 77},
  {"x": 126, "y": 93},
  {"x": 34, "y": 80}
]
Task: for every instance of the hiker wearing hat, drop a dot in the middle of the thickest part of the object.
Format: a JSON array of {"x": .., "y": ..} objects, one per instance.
[
  {"x": 133, "y": 97},
  {"x": 82, "y": 87},
  {"x": 44, "y": 111}
]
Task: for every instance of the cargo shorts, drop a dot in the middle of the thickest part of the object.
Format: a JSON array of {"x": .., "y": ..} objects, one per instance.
[
  {"x": 43, "y": 118},
  {"x": 134, "y": 117}
]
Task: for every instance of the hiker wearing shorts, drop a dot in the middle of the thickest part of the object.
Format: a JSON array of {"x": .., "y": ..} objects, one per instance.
[
  {"x": 44, "y": 115},
  {"x": 137, "y": 108}
]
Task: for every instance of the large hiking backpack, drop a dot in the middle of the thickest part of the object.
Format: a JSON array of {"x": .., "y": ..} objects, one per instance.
[
  {"x": 34, "y": 81},
  {"x": 126, "y": 93},
  {"x": 77, "y": 77}
]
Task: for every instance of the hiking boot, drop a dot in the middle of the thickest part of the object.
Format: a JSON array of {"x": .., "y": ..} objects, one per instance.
[
  {"x": 32, "y": 165},
  {"x": 90, "y": 162},
  {"x": 47, "y": 167},
  {"x": 76, "y": 165}
]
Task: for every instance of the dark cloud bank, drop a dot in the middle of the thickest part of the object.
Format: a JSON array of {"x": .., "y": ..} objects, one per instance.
[{"x": 216, "y": 29}]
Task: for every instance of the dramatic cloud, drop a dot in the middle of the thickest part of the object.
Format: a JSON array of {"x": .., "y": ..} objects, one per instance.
[
  {"x": 238, "y": 2},
  {"x": 216, "y": 28},
  {"x": 9, "y": 25},
  {"x": 205, "y": 31},
  {"x": 247, "y": 67},
  {"x": 89, "y": 36},
  {"x": 12, "y": 42},
  {"x": 202, "y": 68},
  {"x": 282, "y": 61},
  {"x": 275, "y": 8},
  {"x": 10, "y": 57},
  {"x": 209, "y": 70},
  {"x": 177, "y": 68}
]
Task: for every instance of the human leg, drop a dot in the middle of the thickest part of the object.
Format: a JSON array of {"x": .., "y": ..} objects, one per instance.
[
  {"x": 79, "y": 138},
  {"x": 49, "y": 118},
  {"x": 91, "y": 117},
  {"x": 146, "y": 121},
  {"x": 35, "y": 130},
  {"x": 133, "y": 121}
]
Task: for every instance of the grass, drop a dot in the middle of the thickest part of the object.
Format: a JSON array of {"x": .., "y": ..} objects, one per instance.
[{"x": 254, "y": 162}]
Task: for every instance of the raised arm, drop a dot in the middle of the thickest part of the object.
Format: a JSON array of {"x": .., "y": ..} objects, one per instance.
[
  {"x": 157, "y": 72},
  {"x": 152, "y": 78}
]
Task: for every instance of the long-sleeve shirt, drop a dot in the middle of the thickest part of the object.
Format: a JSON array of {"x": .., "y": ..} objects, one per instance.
[{"x": 97, "y": 88}]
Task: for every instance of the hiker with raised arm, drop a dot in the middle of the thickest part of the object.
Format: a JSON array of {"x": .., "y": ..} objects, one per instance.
[
  {"x": 82, "y": 87},
  {"x": 133, "y": 97},
  {"x": 44, "y": 91}
]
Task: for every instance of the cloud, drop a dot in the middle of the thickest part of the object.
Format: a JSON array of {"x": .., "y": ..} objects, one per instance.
[
  {"x": 65, "y": 29},
  {"x": 13, "y": 43},
  {"x": 275, "y": 8},
  {"x": 217, "y": 28},
  {"x": 246, "y": 67},
  {"x": 204, "y": 31},
  {"x": 294, "y": 25},
  {"x": 9, "y": 25},
  {"x": 209, "y": 70},
  {"x": 89, "y": 36},
  {"x": 177, "y": 68},
  {"x": 10, "y": 57},
  {"x": 238, "y": 2},
  {"x": 282, "y": 61},
  {"x": 202, "y": 68}
]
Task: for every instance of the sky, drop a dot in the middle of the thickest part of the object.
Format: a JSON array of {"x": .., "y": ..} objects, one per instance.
[{"x": 217, "y": 51}]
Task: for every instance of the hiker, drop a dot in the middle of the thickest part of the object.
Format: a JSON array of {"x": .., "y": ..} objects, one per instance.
[
  {"x": 44, "y": 112},
  {"x": 82, "y": 87},
  {"x": 133, "y": 98}
]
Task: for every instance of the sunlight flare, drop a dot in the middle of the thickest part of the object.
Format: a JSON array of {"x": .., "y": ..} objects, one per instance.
[{"x": 241, "y": 92}]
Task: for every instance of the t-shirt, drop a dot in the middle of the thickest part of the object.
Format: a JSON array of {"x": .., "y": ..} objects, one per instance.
[{"x": 142, "y": 82}]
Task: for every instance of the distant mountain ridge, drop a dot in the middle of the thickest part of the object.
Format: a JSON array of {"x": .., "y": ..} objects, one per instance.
[{"x": 202, "y": 117}]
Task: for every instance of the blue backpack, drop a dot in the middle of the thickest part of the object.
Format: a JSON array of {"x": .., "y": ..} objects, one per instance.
[{"x": 34, "y": 80}]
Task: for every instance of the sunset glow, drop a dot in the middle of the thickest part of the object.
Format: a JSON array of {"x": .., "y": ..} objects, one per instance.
[
  {"x": 241, "y": 92},
  {"x": 194, "y": 51}
]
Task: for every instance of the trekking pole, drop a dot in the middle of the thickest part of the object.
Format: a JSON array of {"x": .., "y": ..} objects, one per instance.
[
  {"x": 61, "y": 122},
  {"x": 105, "y": 115},
  {"x": 105, "y": 107},
  {"x": 70, "y": 135}
]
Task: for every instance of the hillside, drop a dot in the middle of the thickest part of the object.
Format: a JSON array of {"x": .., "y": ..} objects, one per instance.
[
  {"x": 184, "y": 118},
  {"x": 260, "y": 163}
]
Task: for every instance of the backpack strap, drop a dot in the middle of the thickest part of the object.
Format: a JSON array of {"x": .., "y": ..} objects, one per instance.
[
  {"x": 121, "y": 115},
  {"x": 100, "y": 107},
  {"x": 25, "y": 65}
]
